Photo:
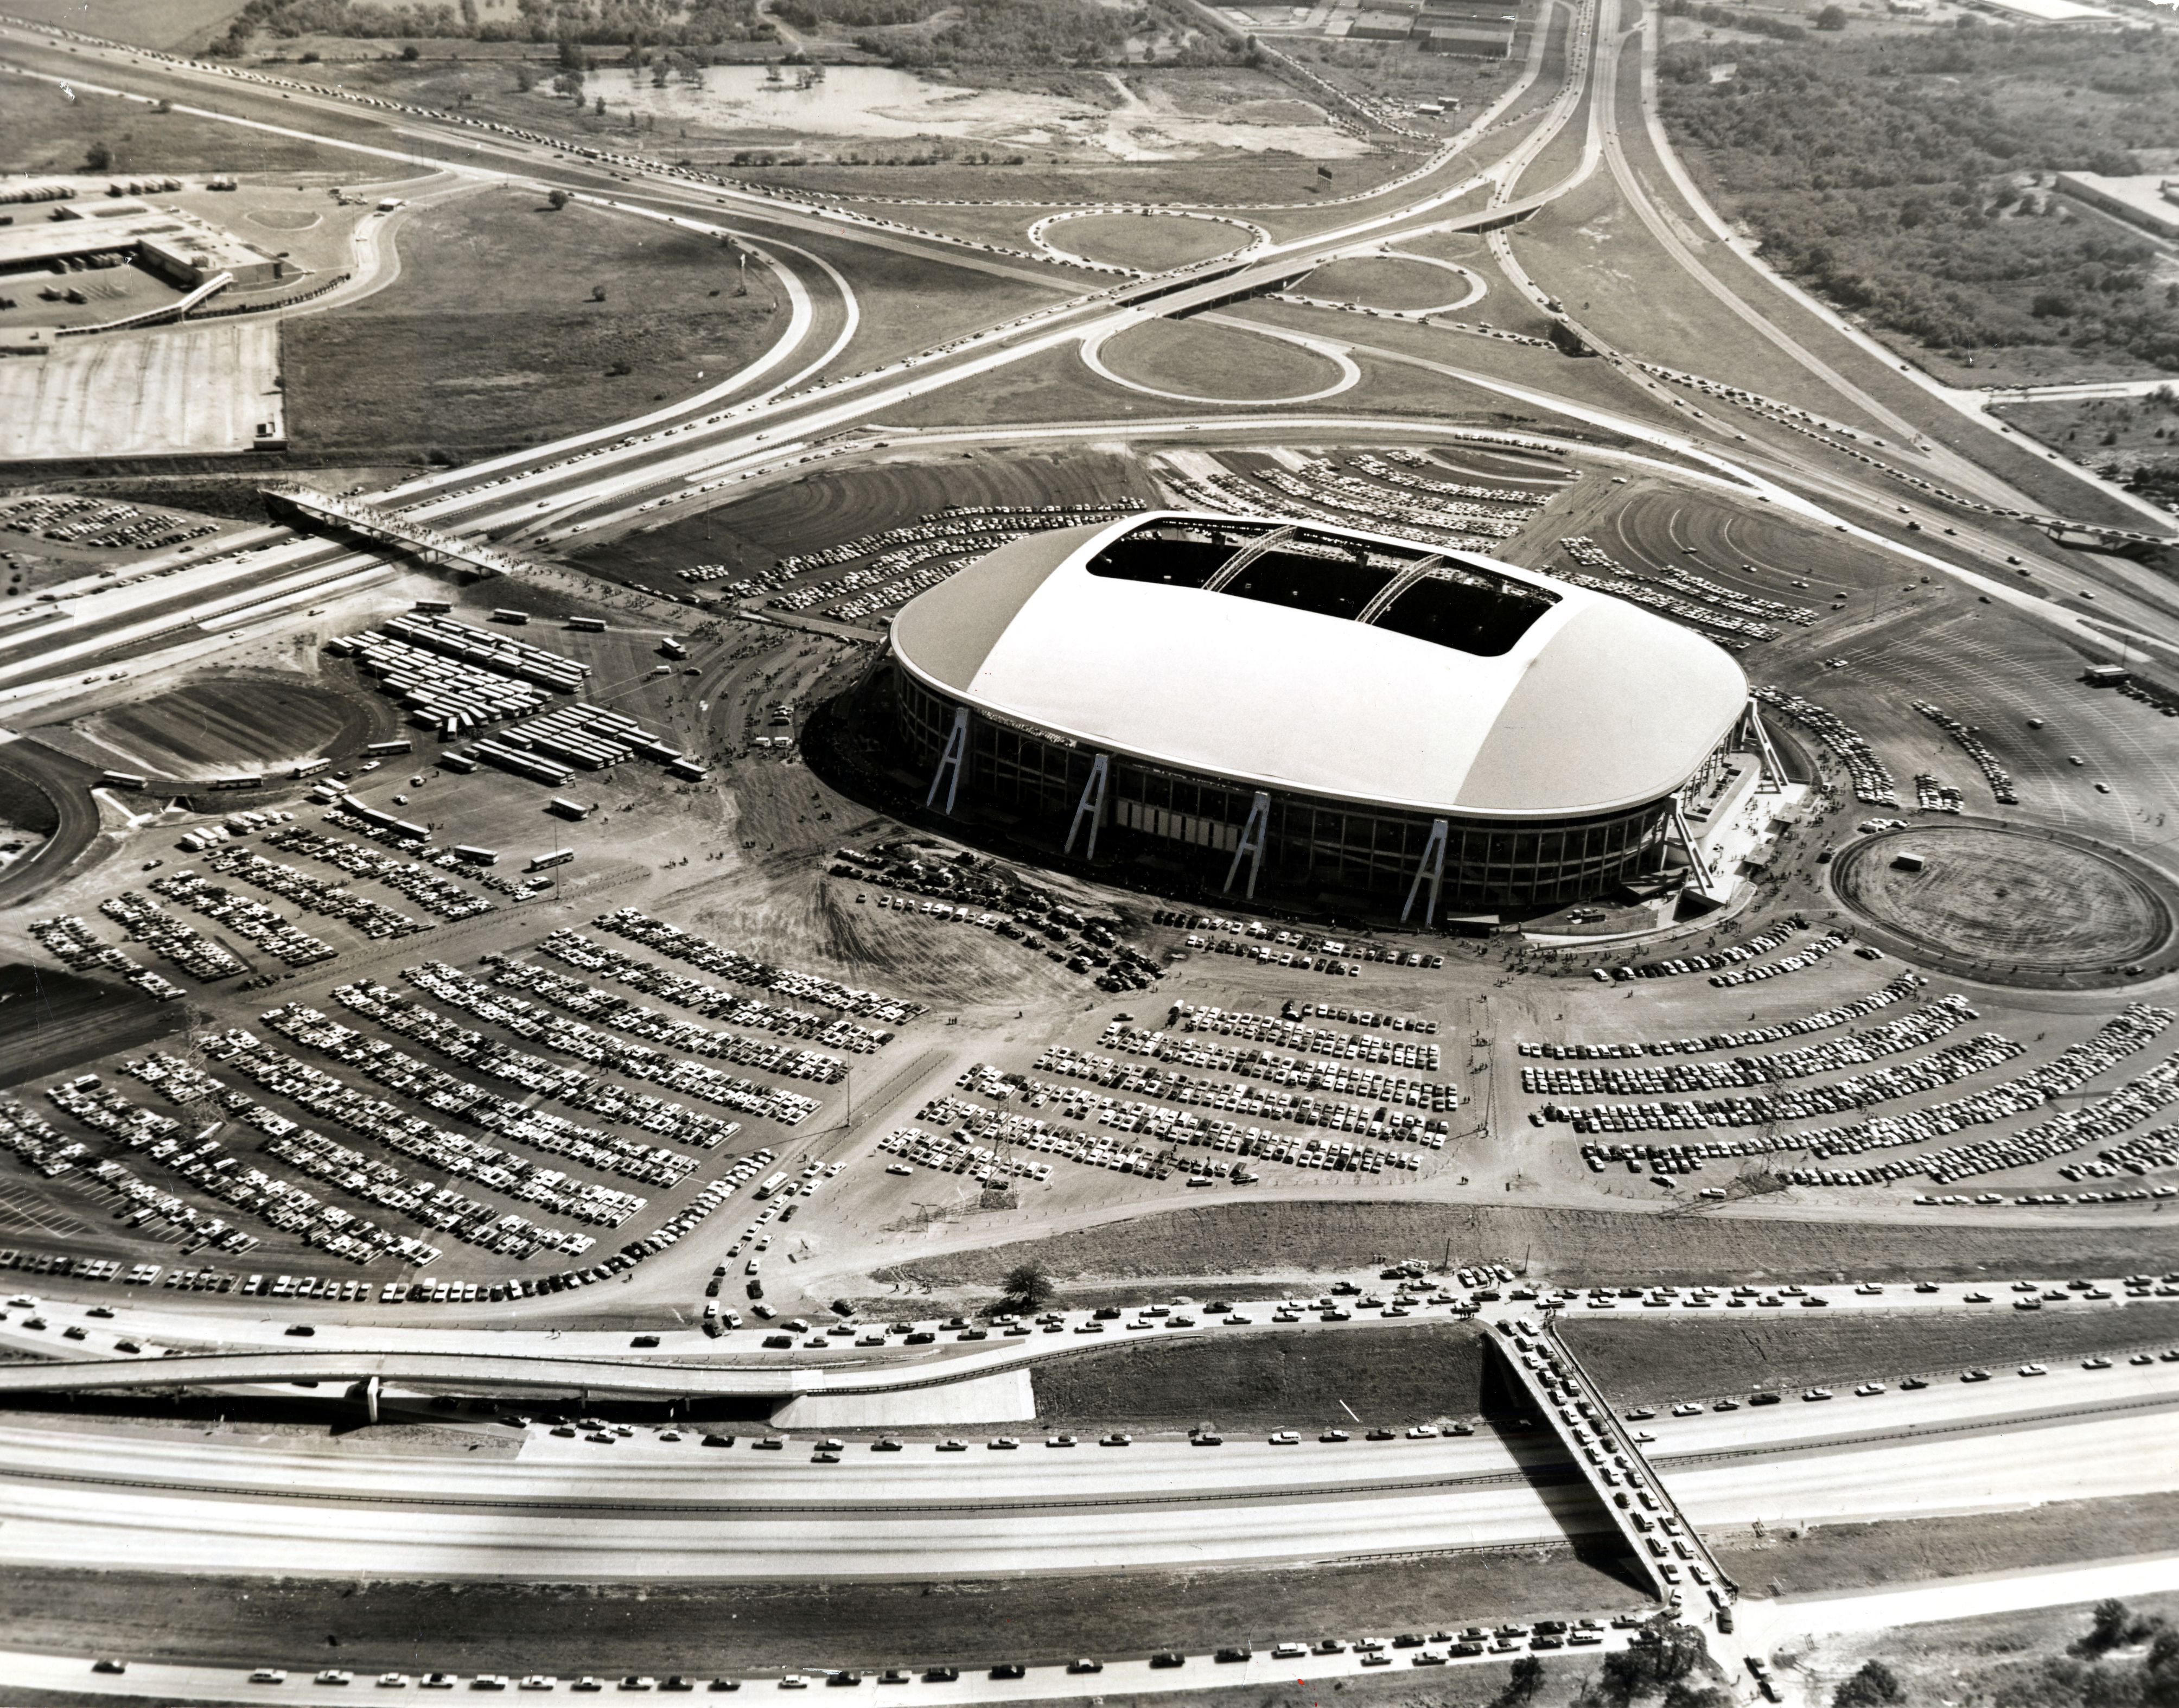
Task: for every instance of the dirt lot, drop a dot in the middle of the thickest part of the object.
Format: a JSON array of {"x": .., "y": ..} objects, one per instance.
[
  {"x": 697, "y": 1629},
  {"x": 1651, "y": 1362},
  {"x": 490, "y": 337},
  {"x": 163, "y": 392},
  {"x": 1852, "y": 1556},
  {"x": 1590, "y": 1246},
  {"x": 215, "y": 726},
  {"x": 1404, "y": 1375}
]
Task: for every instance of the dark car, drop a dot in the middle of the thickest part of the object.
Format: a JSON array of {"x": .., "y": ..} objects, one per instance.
[
  {"x": 1168, "y": 1659},
  {"x": 1008, "y": 1669}
]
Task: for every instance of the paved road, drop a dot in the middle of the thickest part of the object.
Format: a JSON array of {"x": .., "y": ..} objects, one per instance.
[{"x": 647, "y": 1506}]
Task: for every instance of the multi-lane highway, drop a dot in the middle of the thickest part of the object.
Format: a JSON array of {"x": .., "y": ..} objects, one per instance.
[{"x": 663, "y": 1503}]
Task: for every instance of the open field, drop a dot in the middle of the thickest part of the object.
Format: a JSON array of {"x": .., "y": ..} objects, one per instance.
[
  {"x": 157, "y": 393},
  {"x": 1642, "y": 1363},
  {"x": 51, "y": 1020},
  {"x": 491, "y": 338},
  {"x": 176, "y": 24},
  {"x": 2006, "y": 1657},
  {"x": 216, "y": 726},
  {"x": 47, "y": 132},
  {"x": 1407, "y": 1374},
  {"x": 1138, "y": 240},
  {"x": 1297, "y": 1239},
  {"x": 1388, "y": 281},
  {"x": 1852, "y": 1556},
  {"x": 1219, "y": 364}
]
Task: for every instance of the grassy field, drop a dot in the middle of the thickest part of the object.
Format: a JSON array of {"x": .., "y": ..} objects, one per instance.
[
  {"x": 698, "y": 1629},
  {"x": 1200, "y": 359},
  {"x": 1646, "y": 1361},
  {"x": 1386, "y": 283},
  {"x": 1138, "y": 240},
  {"x": 53, "y": 1020},
  {"x": 2014, "y": 1658},
  {"x": 1853, "y": 1557},
  {"x": 1621, "y": 1247},
  {"x": 1403, "y": 1376},
  {"x": 150, "y": 22},
  {"x": 490, "y": 337},
  {"x": 46, "y": 132}
]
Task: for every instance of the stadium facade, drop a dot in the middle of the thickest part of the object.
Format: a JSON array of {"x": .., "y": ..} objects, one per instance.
[{"x": 1344, "y": 713}]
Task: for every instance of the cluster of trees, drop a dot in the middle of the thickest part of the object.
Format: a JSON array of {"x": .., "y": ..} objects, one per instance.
[
  {"x": 2093, "y": 1674},
  {"x": 1754, "y": 23},
  {"x": 855, "y": 14},
  {"x": 678, "y": 22},
  {"x": 1902, "y": 177},
  {"x": 1003, "y": 32}
]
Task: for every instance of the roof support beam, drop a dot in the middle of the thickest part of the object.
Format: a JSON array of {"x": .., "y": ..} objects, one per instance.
[
  {"x": 1253, "y": 835},
  {"x": 951, "y": 762},
  {"x": 1393, "y": 588},
  {"x": 1091, "y": 806},
  {"x": 1246, "y": 556}
]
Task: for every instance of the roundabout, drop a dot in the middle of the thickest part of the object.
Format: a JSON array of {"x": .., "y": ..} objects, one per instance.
[{"x": 2039, "y": 909}]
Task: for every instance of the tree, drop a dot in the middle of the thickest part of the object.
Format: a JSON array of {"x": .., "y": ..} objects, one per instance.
[
  {"x": 99, "y": 157},
  {"x": 409, "y": 51},
  {"x": 557, "y": 199},
  {"x": 597, "y": 294},
  {"x": 1875, "y": 1686},
  {"x": 1522, "y": 1684},
  {"x": 525, "y": 79},
  {"x": 1029, "y": 1285},
  {"x": 1832, "y": 18}
]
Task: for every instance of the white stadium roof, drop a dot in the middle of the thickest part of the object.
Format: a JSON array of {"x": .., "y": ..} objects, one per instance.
[{"x": 1492, "y": 692}]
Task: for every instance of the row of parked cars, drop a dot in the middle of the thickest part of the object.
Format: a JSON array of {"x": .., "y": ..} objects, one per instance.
[{"x": 1434, "y": 1649}]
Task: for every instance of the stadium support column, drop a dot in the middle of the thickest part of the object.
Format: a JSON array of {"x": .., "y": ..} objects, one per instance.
[
  {"x": 1774, "y": 774},
  {"x": 951, "y": 762},
  {"x": 1091, "y": 806},
  {"x": 1250, "y": 848},
  {"x": 1433, "y": 868},
  {"x": 1694, "y": 849}
]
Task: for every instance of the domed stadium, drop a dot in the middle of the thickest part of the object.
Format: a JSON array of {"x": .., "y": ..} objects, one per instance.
[{"x": 1339, "y": 713}]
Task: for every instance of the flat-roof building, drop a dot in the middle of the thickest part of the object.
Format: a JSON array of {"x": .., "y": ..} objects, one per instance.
[{"x": 180, "y": 247}]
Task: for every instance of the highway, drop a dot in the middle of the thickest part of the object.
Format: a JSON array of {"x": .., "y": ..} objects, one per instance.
[
  {"x": 609, "y": 478},
  {"x": 561, "y": 1506},
  {"x": 233, "y": 1341}
]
